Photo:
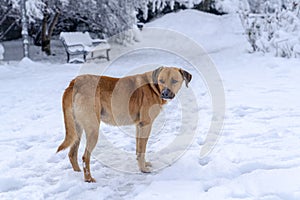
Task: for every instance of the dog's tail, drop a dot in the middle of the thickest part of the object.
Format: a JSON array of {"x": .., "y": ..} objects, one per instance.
[{"x": 67, "y": 104}]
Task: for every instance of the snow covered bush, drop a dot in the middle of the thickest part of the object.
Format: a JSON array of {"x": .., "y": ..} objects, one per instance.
[
  {"x": 274, "y": 28},
  {"x": 231, "y": 6}
]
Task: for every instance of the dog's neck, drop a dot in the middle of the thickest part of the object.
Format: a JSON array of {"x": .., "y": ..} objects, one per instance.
[{"x": 154, "y": 86}]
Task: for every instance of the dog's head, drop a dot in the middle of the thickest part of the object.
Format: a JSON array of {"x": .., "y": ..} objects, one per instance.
[{"x": 169, "y": 80}]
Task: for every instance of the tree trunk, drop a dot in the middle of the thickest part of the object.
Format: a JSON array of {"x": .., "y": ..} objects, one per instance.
[
  {"x": 53, "y": 23},
  {"x": 24, "y": 29},
  {"x": 46, "y": 47},
  {"x": 47, "y": 33},
  {"x": 45, "y": 42}
]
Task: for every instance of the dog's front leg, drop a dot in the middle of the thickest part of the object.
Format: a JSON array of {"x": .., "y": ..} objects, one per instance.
[{"x": 142, "y": 134}]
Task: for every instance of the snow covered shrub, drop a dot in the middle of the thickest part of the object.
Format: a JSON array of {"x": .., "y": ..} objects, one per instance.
[
  {"x": 275, "y": 29},
  {"x": 231, "y": 6}
]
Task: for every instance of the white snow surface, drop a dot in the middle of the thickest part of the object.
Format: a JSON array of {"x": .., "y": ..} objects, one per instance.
[{"x": 257, "y": 156}]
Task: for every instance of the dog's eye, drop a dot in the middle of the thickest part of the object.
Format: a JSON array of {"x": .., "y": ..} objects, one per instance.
[
  {"x": 174, "y": 81},
  {"x": 161, "y": 81}
]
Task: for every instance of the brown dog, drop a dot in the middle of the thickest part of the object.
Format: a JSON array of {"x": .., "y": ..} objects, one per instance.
[{"x": 136, "y": 99}]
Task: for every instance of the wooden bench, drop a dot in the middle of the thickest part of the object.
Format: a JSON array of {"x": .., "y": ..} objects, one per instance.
[{"x": 79, "y": 43}]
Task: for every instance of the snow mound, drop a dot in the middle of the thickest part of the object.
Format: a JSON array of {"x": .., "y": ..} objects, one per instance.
[
  {"x": 214, "y": 33},
  {"x": 26, "y": 62}
]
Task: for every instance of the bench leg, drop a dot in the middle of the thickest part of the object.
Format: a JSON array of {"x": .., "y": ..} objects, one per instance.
[
  {"x": 107, "y": 55},
  {"x": 84, "y": 57},
  {"x": 68, "y": 57}
]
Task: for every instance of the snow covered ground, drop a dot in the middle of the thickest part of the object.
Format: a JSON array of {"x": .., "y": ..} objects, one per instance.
[{"x": 257, "y": 156}]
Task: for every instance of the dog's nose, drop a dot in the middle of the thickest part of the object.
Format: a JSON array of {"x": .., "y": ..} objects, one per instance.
[{"x": 167, "y": 94}]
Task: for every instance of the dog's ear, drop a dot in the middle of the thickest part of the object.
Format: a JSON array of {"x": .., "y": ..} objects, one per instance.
[
  {"x": 155, "y": 74},
  {"x": 187, "y": 77}
]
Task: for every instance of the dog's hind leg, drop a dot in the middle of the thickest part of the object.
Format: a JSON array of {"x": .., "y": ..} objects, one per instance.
[
  {"x": 74, "y": 149},
  {"x": 91, "y": 141}
]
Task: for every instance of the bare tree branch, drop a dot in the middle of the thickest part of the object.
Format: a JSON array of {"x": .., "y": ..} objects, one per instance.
[
  {"x": 4, "y": 16},
  {"x": 2, "y": 35}
]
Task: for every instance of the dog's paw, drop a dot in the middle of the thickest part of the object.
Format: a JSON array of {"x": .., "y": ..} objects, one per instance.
[
  {"x": 76, "y": 169},
  {"x": 90, "y": 180},
  {"x": 145, "y": 170},
  {"x": 148, "y": 164}
]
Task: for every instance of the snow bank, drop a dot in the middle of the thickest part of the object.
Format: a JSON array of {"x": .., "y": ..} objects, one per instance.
[{"x": 26, "y": 62}]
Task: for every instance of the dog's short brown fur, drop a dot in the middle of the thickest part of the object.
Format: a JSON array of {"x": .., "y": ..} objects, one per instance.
[{"x": 136, "y": 99}]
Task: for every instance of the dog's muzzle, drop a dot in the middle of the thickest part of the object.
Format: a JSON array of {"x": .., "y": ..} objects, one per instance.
[{"x": 166, "y": 93}]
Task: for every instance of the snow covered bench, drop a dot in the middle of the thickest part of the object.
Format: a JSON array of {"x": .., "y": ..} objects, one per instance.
[{"x": 79, "y": 43}]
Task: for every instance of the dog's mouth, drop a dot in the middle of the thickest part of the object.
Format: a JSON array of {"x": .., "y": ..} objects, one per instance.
[
  {"x": 167, "y": 94},
  {"x": 167, "y": 98}
]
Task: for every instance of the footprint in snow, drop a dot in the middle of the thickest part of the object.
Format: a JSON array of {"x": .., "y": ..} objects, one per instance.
[{"x": 243, "y": 111}]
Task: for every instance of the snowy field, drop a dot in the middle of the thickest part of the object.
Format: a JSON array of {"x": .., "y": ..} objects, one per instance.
[{"x": 256, "y": 157}]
